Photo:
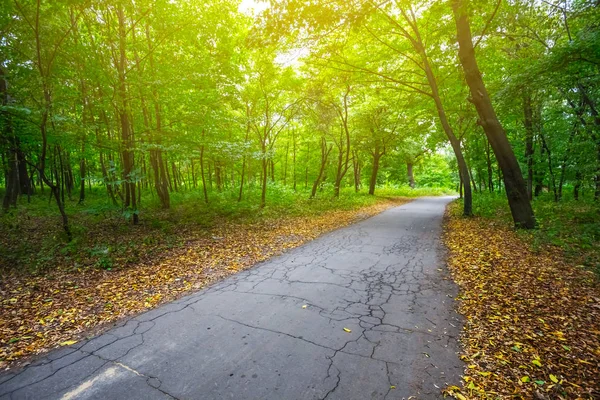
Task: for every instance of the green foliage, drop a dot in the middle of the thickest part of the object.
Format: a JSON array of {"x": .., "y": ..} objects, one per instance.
[{"x": 219, "y": 114}]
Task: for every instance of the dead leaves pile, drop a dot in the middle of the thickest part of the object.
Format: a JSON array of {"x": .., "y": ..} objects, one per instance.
[
  {"x": 532, "y": 328},
  {"x": 41, "y": 312}
]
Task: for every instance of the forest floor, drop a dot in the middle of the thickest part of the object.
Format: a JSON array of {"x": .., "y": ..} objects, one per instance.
[
  {"x": 86, "y": 288},
  {"x": 532, "y": 310}
]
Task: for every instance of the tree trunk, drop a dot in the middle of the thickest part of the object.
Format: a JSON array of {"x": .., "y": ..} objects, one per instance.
[
  {"x": 126, "y": 134},
  {"x": 550, "y": 168},
  {"x": 263, "y": 191},
  {"x": 373, "y": 180},
  {"x": 161, "y": 180},
  {"x": 294, "y": 157},
  {"x": 204, "y": 189},
  {"x": 82, "y": 175},
  {"x": 516, "y": 189},
  {"x": 595, "y": 136},
  {"x": 248, "y": 128},
  {"x": 410, "y": 175},
  {"x": 529, "y": 151},
  {"x": 454, "y": 142},
  {"x": 490, "y": 171},
  {"x": 285, "y": 165},
  {"x": 578, "y": 179},
  {"x": 343, "y": 145},
  {"x": 377, "y": 154},
  {"x": 306, "y": 166},
  {"x": 563, "y": 166},
  {"x": 324, "y": 156},
  {"x": 357, "y": 170},
  {"x": 539, "y": 175},
  {"x": 12, "y": 182}
]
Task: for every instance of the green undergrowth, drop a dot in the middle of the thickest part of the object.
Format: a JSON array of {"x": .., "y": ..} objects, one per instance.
[
  {"x": 573, "y": 226},
  {"x": 32, "y": 238}
]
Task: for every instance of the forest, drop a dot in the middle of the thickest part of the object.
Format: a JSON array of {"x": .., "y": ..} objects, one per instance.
[
  {"x": 135, "y": 131},
  {"x": 138, "y": 100}
]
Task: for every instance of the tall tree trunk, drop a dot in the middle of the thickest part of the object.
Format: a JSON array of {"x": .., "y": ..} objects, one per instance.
[
  {"x": 174, "y": 176},
  {"x": 516, "y": 189},
  {"x": 294, "y": 157},
  {"x": 563, "y": 165},
  {"x": 126, "y": 134},
  {"x": 11, "y": 183},
  {"x": 595, "y": 136},
  {"x": 529, "y": 150},
  {"x": 306, "y": 166},
  {"x": 343, "y": 145},
  {"x": 550, "y": 167},
  {"x": 82, "y": 176},
  {"x": 248, "y": 128},
  {"x": 357, "y": 167},
  {"x": 373, "y": 180},
  {"x": 578, "y": 179},
  {"x": 417, "y": 43},
  {"x": 454, "y": 142},
  {"x": 264, "y": 173},
  {"x": 490, "y": 171},
  {"x": 472, "y": 180},
  {"x": 410, "y": 175},
  {"x": 285, "y": 165},
  {"x": 325, "y": 151},
  {"x": 204, "y": 189},
  {"x": 540, "y": 174},
  {"x": 377, "y": 154}
]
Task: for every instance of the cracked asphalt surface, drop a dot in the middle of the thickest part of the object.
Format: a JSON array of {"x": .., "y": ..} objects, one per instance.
[{"x": 249, "y": 336}]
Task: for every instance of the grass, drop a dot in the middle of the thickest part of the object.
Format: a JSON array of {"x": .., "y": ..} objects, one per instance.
[
  {"x": 573, "y": 226},
  {"x": 33, "y": 240}
]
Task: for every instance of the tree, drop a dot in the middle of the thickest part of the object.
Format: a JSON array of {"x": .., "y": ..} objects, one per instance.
[{"x": 516, "y": 189}]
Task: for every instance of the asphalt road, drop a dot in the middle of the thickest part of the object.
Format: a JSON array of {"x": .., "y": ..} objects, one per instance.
[{"x": 364, "y": 312}]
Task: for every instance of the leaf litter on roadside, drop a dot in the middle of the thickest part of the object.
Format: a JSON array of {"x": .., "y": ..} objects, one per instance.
[{"x": 532, "y": 328}]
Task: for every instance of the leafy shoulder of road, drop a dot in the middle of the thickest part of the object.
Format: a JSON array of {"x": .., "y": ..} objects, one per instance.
[{"x": 532, "y": 325}]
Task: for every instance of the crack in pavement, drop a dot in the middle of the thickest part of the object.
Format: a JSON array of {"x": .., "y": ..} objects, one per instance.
[{"x": 250, "y": 337}]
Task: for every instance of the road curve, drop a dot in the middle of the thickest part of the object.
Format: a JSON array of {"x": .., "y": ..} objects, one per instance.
[{"x": 364, "y": 312}]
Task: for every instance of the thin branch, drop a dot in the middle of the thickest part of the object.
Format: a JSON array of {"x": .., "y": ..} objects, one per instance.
[{"x": 487, "y": 24}]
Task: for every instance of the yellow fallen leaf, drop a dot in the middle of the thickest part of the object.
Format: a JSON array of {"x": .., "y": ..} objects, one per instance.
[
  {"x": 347, "y": 330},
  {"x": 553, "y": 378},
  {"x": 304, "y": 306},
  {"x": 525, "y": 379},
  {"x": 392, "y": 387},
  {"x": 68, "y": 342}
]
